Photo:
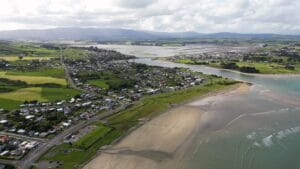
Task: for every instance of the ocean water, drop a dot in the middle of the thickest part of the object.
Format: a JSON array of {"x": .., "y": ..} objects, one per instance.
[{"x": 259, "y": 129}]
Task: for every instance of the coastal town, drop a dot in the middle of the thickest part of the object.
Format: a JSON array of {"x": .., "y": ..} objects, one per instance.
[
  {"x": 84, "y": 98},
  {"x": 149, "y": 84},
  {"x": 107, "y": 81}
]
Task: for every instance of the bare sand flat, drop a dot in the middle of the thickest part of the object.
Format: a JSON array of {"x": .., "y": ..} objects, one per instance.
[
  {"x": 151, "y": 144},
  {"x": 156, "y": 143}
]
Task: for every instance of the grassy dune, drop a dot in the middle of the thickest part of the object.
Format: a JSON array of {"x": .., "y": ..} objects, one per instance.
[
  {"x": 34, "y": 79},
  {"x": 152, "y": 105},
  {"x": 90, "y": 138}
]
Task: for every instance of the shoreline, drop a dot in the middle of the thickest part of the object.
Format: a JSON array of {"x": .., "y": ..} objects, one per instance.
[
  {"x": 131, "y": 148},
  {"x": 253, "y": 74},
  {"x": 236, "y": 71}
]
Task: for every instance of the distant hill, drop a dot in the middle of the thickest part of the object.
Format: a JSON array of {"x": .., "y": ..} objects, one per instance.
[{"x": 106, "y": 34}]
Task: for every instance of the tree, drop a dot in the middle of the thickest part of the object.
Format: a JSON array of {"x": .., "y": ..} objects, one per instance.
[{"x": 21, "y": 56}]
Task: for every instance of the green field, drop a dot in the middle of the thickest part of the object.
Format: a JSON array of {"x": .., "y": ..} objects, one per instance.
[
  {"x": 90, "y": 138},
  {"x": 27, "y": 49},
  {"x": 16, "y": 58},
  {"x": 9, "y": 104},
  {"x": 71, "y": 53},
  {"x": 269, "y": 68},
  {"x": 55, "y": 94},
  {"x": 99, "y": 83},
  {"x": 262, "y": 67},
  {"x": 47, "y": 72},
  {"x": 106, "y": 80},
  {"x": 72, "y": 157},
  {"x": 12, "y": 100},
  {"x": 32, "y": 93},
  {"x": 34, "y": 79},
  {"x": 185, "y": 61}
]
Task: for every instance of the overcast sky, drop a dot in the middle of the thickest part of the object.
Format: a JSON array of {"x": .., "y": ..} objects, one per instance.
[{"x": 205, "y": 16}]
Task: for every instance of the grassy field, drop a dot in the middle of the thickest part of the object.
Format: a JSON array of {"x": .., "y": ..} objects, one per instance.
[
  {"x": 98, "y": 83},
  {"x": 47, "y": 72},
  {"x": 71, "y": 53},
  {"x": 269, "y": 68},
  {"x": 185, "y": 61},
  {"x": 72, "y": 156},
  {"x": 16, "y": 58},
  {"x": 90, "y": 138},
  {"x": 12, "y": 100},
  {"x": 262, "y": 67},
  {"x": 9, "y": 104},
  {"x": 32, "y": 93},
  {"x": 28, "y": 49},
  {"x": 34, "y": 79},
  {"x": 54, "y": 94}
]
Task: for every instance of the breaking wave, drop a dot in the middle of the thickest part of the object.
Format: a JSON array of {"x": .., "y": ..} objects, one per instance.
[{"x": 272, "y": 138}]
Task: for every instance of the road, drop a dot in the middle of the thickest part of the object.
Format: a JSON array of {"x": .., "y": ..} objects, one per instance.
[
  {"x": 67, "y": 73},
  {"x": 46, "y": 144},
  {"x": 23, "y": 137},
  {"x": 34, "y": 155}
]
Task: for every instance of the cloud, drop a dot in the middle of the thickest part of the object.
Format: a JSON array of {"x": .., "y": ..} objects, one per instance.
[
  {"x": 135, "y": 3},
  {"x": 245, "y": 16}
]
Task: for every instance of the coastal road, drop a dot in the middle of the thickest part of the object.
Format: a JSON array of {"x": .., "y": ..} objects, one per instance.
[
  {"x": 46, "y": 144},
  {"x": 23, "y": 137},
  {"x": 35, "y": 154}
]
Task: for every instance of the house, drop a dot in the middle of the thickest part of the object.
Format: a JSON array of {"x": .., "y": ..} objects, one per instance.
[
  {"x": 21, "y": 131},
  {"x": 66, "y": 124},
  {"x": 16, "y": 152},
  {"x": 4, "y": 153},
  {"x": 4, "y": 138},
  {"x": 2, "y": 166},
  {"x": 67, "y": 110},
  {"x": 28, "y": 117},
  {"x": 43, "y": 134},
  {"x": 60, "y": 110},
  {"x": 3, "y": 121}
]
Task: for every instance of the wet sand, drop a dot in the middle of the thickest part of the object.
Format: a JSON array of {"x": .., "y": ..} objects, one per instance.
[{"x": 160, "y": 143}]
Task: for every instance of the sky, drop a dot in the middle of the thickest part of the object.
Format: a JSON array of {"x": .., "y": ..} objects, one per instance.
[{"x": 204, "y": 16}]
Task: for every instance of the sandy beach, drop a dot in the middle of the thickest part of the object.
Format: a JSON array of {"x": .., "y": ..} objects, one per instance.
[{"x": 159, "y": 141}]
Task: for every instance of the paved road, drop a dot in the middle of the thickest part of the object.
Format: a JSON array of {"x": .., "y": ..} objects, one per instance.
[
  {"x": 45, "y": 144},
  {"x": 23, "y": 137},
  {"x": 67, "y": 73},
  {"x": 71, "y": 83},
  {"x": 34, "y": 155}
]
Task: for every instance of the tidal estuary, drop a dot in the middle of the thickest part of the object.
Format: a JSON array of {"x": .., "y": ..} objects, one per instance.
[{"x": 253, "y": 128}]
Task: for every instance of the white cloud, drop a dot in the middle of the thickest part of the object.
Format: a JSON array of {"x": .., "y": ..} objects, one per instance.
[{"x": 246, "y": 16}]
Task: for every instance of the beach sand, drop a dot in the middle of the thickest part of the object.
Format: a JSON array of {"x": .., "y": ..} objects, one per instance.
[{"x": 160, "y": 143}]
